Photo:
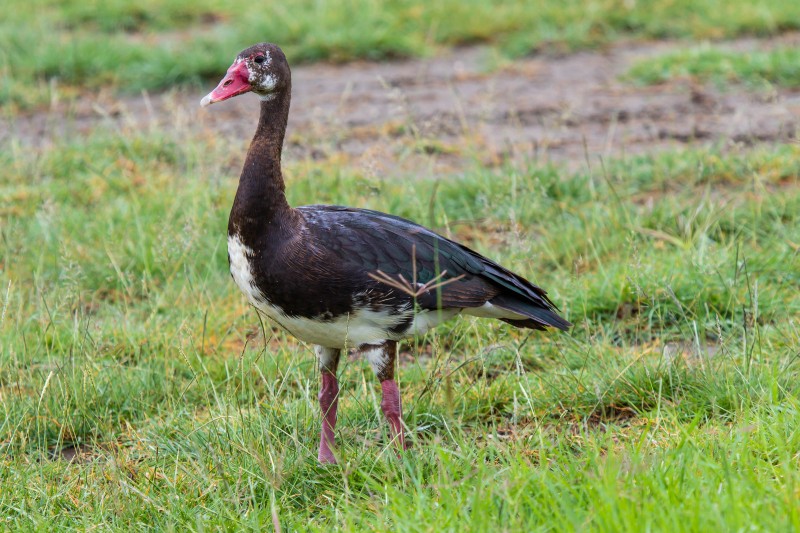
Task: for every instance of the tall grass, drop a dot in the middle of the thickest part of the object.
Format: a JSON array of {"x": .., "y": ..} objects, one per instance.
[{"x": 671, "y": 404}]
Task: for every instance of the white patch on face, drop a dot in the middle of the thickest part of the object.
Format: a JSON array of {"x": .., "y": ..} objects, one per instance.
[
  {"x": 268, "y": 83},
  {"x": 267, "y": 80}
]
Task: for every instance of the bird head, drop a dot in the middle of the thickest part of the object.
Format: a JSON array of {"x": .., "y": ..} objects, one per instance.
[{"x": 261, "y": 69}]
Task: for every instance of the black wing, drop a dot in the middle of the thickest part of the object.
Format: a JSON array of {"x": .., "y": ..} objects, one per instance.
[{"x": 369, "y": 241}]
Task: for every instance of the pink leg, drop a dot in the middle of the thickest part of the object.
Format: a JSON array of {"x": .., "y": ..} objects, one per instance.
[
  {"x": 392, "y": 410},
  {"x": 382, "y": 358},
  {"x": 328, "y": 402}
]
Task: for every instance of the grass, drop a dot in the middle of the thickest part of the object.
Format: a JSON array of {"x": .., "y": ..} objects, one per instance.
[
  {"x": 780, "y": 66},
  {"x": 672, "y": 404},
  {"x": 55, "y": 50},
  {"x": 139, "y": 391}
]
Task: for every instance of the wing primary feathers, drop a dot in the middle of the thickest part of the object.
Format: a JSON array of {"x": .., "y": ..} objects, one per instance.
[{"x": 540, "y": 315}]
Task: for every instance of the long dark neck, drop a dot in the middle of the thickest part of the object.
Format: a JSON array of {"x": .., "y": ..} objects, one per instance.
[{"x": 261, "y": 198}]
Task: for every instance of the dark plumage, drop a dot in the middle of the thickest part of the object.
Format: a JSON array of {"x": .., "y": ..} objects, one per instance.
[
  {"x": 340, "y": 277},
  {"x": 361, "y": 241}
]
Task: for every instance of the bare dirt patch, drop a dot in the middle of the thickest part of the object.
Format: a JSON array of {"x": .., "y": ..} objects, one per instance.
[
  {"x": 79, "y": 453},
  {"x": 438, "y": 115}
]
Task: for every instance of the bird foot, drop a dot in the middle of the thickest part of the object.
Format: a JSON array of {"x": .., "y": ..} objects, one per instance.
[{"x": 325, "y": 456}]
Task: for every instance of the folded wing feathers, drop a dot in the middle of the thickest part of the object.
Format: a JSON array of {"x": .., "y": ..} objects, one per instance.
[{"x": 396, "y": 237}]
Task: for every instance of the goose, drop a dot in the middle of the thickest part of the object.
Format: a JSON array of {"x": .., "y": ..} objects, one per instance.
[{"x": 344, "y": 278}]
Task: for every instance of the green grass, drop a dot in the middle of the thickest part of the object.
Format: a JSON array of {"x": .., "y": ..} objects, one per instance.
[
  {"x": 51, "y": 49},
  {"x": 780, "y": 66},
  {"x": 672, "y": 404}
]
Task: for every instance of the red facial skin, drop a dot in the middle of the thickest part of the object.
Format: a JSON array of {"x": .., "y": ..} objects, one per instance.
[{"x": 235, "y": 82}]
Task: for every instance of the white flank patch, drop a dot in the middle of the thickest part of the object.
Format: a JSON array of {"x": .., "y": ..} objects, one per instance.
[
  {"x": 488, "y": 310},
  {"x": 364, "y": 326},
  {"x": 239, "y": 256},
  {"x": 426, "y": 320},
  {"x": 377, "y": 358},
  {"x": 348, "y": 331},
  {"x": 326, "y": 356}
]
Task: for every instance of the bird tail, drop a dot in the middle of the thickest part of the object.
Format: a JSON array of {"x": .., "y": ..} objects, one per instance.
[{"x": 538, "y": 317}]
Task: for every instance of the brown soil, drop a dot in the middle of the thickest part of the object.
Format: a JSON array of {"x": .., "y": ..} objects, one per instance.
[{"x": 436, "y": 115}]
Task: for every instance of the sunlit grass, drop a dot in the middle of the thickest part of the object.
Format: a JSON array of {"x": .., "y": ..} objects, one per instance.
[
  {"x": 780, "y": 67},
  {"x": 49, "y": 47},
  {"x": 672, "y": 404}
]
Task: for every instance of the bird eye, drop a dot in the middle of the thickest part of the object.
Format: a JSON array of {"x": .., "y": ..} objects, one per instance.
[{"x": 259, "y": 59}]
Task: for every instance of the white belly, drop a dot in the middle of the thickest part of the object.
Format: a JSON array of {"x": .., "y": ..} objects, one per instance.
[
  {"x": 353, "y": 330},
  {"x": 363, "y": 326}
]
